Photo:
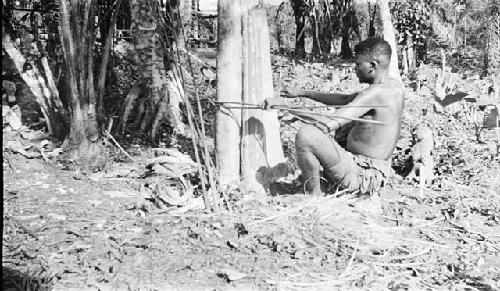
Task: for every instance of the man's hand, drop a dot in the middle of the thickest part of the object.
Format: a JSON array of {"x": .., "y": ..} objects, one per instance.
[
  {"x": 291, "y": 93},
  {"x": 269, "y": 103}
]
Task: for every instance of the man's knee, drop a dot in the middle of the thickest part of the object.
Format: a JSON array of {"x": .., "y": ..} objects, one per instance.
[{"x": 307, "y": 137}]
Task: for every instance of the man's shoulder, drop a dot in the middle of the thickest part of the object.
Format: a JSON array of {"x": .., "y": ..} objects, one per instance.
[
  {"x": 391, "y": 86},
  {"x": 396, "y": 85}
]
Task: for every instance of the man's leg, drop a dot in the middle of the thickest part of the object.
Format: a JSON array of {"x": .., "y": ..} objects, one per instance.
[{"x": 314, "y": 148}]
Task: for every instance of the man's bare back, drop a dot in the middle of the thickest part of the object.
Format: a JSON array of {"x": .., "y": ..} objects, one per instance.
[{"x": 373, "y": 140}]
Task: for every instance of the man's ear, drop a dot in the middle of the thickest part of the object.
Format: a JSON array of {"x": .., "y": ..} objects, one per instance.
[{"x": 374, "y": 64}]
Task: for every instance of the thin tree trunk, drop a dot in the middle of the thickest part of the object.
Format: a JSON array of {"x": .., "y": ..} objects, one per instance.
[
  {"x": 345, "y": 51},
  {"x": 373, "y": 17},
  {"x": 405, "y": 61},
  {"x": 389, "y": 36},
  {"x": 298, "y": 10},
  {"x": 411, "y": 58},
  {"x": 77, "y": 131},
  {"x": 492, "y": 48},
  {"x": 229, "y": 89},
  {"x": 104, "y": 62}
]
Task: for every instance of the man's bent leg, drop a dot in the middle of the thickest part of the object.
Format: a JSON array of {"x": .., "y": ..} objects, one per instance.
[{"x": 314, "y": 148}]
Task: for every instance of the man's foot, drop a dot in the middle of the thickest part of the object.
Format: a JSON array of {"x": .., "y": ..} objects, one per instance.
[
  {"x": 368, "y": 204},
  {"x": 316, "y": 193}
]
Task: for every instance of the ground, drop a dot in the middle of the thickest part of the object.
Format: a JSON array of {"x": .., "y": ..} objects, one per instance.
[{"x": 63, "y": 229}]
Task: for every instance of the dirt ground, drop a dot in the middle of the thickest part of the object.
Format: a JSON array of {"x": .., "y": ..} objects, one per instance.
[{"x": 63, "y": 230}]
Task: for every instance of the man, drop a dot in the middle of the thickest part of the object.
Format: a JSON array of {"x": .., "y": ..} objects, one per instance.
[{"x": 365, "y": 161}]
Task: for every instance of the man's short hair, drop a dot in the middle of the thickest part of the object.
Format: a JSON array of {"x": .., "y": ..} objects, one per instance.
[{"x": 374, "y": 47}]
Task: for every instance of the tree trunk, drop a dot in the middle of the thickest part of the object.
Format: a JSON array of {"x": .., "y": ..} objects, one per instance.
[
  {"x": 345, "y": 50},
  {"x": 373, "y": 19},
  {"x": 405, "y": 62},
  {"x": 229, "y": 89},
  {"x": 298, "y": 10},
  {"x": 492, "y": 48},
  {"x": 412, "y": 65},
  {"x": 43, "y": 88},
  {"x": 161, "y": 96},
  {"x": 261, "y": 149},
  {"x": 77, "y": 32},
  {"x": 389, "y": 36},
  {"x": 104, "y": 62}
]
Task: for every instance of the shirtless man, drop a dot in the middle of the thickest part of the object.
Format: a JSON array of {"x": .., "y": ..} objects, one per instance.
[{"x": 365, "y": 161}]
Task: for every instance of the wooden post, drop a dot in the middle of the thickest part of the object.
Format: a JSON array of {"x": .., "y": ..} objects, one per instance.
[
  {"x": 229, "y": 89},
  {"x": 260, "y": 141},
  {"x": 244, "y": 75},
  {"x": 389, "y": 36}
]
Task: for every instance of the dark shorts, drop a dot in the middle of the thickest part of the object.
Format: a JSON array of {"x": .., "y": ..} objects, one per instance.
[{"x": 359, "y": 173}]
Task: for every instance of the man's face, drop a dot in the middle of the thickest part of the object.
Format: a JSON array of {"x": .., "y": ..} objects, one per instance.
[{"x": 364, "y": 69}]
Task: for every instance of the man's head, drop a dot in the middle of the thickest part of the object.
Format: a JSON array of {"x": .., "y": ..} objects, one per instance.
[{"x": 373, "y": 56}]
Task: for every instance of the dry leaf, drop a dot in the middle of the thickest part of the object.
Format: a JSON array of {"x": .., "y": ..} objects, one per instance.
[{"x": 232, "y": 274}]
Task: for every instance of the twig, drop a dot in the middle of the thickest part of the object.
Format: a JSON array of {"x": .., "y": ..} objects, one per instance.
[
  {"x": 410, "y": 256},
  {"x": 228, "y": 203},
  {"x": 117, "y": 144},
  {"x": 349, "y": 264},
  {"x": 404, "y": 265}
]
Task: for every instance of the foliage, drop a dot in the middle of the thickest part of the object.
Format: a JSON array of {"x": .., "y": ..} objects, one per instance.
[
  {"x": 412, "y": 22},
  {"x": 319, "y": 22},
  {"x": 413, "y": 28},
  {"x": 37, "y": 30},
  {"x": 463, "y": 20}
]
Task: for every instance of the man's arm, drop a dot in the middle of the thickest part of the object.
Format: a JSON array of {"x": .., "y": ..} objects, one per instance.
[
  {"x": 325, "y": 98},
  {"x": 358, "y": 107}
]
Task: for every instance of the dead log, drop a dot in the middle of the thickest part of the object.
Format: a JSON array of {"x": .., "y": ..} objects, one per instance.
[
  {"x": 229, "y": 88},
  {"x": 260, "y": 141}
]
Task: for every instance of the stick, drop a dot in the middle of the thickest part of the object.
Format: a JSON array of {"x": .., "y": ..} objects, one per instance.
[
  {"x": 117, "y": 144},
  {"x": 257, "y": 106},
  {"x": 305, "y": 112}
]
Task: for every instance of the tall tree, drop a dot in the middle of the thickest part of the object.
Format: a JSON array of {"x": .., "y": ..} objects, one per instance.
[
  {"x": 492, "y": 48},
  {"x": 389, "y": 36},
  {"x": 159, "y": 90},
  {"x": 107, "y": 33},
  {"x": 77, "y": 32},
  {"x": 229, "y": 88}
]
